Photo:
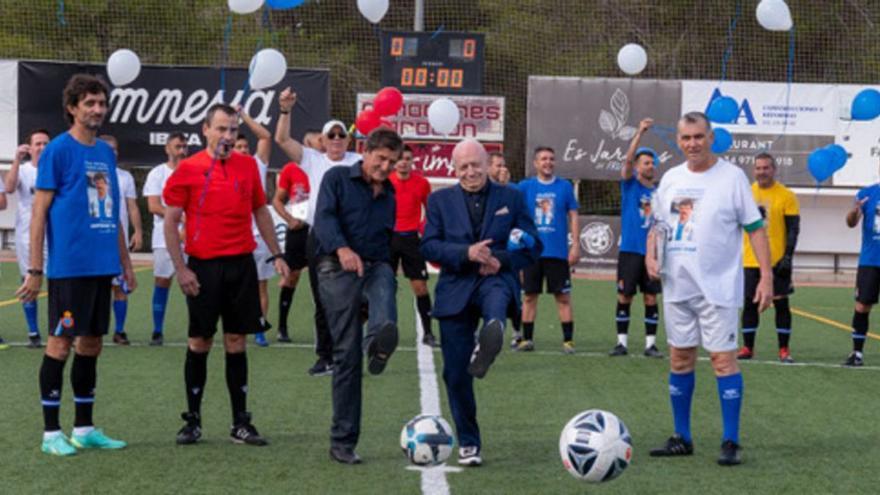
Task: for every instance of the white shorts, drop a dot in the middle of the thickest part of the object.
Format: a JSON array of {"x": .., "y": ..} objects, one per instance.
[
  {"x": 698, "y": 322},
  {"x": 265, "y": 271},
  {"x": 163, "y": 267},
  {"x": 23, "y": 255}
]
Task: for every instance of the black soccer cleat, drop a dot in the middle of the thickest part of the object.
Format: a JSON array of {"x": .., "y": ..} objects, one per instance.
[
  {"x": 429, "y": 340},
  {"x": 243, "y": 432},
  {"x": 729, "y": 454},
  {"x": 191, "y": 431},
  {"x": 345, "y": 455},
  {"x": 283, "y": 337},
  {"x": 120, "y": 339},
  {"x": 322, "y": 367},
  {"x": 157, "y": 339},
  {"x": 653, "y": 352},
  {"x": 854, "y": 360},
  {"x": 675, "y": 446},
  {"x": 619, "y": 350},
  {"x": 489, "y": 344},
  {"x": 381, "y": 348},
  {"x": 34, "y": 341}
]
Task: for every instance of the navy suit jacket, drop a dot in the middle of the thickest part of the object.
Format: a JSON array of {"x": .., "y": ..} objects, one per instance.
[{"x": 448, "y": 234}]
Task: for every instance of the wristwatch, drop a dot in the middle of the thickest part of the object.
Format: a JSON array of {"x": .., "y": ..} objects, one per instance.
[
  {"x": 35, "y": 272},
  {"x": 271, "y": 259}
]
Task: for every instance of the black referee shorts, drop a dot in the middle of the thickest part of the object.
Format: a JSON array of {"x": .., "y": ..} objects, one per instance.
[
  {"x": 79, "y": 306},
  {"x": 295, "y": 248},
  {"x": 228, "y": 290},
  {"x": 405, "y": 251}
]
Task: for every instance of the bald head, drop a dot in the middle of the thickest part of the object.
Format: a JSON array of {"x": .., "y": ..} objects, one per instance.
[{"x": 471, "y": 164}]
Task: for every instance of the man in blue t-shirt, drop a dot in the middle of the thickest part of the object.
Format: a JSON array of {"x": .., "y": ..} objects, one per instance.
[
  {"x": 555, "y": 208},
  {"x": 76, "y": 207},
  {"x": 867, "y": 205},
  {"x": 636, "y": 189}
]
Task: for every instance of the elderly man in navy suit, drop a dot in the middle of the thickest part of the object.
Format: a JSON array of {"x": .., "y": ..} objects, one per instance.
[{"x": 482, "y": 235}]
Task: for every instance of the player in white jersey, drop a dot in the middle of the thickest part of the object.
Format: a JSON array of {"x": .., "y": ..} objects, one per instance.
[
  {"x": 163, "y": 268},
  {"x": 20, "y": 181},
  {"x": 262, "y": 256},
  {"x": 335, "y": 141},
  {"x": 700, "y": 209},
  {"x": 129, "y": 215}
]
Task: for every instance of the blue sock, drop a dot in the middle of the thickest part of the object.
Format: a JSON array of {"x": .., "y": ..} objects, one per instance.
[
  {"x": 30, "y": 315},
  {"x": 120, "y": 308},
  {"x": 730, "y": 391},
  {"x": 160, "y": 300},
  {"x": 681, "y": 391}
]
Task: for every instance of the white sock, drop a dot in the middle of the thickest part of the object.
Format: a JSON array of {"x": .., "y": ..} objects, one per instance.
[
  {"x": 83, "y": 430},
  {"x": 49, "y": 435},
  {"x": 622, "y": 339},
  {"x": 858, "y": 354},
  {"x": 650, "y": 341}
]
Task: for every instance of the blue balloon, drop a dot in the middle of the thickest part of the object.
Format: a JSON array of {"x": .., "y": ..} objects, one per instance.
[
  {"x": 866, "y": 105},
  {"x": 723, "y": 140},
  {"x": 821, "y": 164},
  {"x": 284, "y": 4},
  {"x": 839, "y": 156},
  {"x": 723, "y": 110}
]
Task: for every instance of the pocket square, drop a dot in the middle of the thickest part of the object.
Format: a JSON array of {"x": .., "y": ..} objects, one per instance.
[{"x": 502, "y": 211}]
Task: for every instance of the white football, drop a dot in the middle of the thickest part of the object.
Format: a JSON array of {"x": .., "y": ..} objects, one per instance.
[
  {"x": 427, "y": 440},
  {"x": 595, "y": 446}
]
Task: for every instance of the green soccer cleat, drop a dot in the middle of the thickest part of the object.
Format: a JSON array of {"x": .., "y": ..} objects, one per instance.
[
  {"x": 96, "y": 439},
  {"x": 58, "y": 445}
]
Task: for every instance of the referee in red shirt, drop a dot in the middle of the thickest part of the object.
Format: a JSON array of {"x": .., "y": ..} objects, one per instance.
[
  {"x": 411, "y": 191},
  {"x": 220, "y": 191}
]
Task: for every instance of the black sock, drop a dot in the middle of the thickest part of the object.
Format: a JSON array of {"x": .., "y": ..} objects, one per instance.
[
  {"x": 528, "y": 330},
  {"x": 236, "y": 382},
  {"x": 783, "y": 321},
  {"x": 284, "y": 308},
  {"x": 83, "y": 377},
  {"x": 423, "y": 303},
  {"x": 51, "y": 382},
  {"x": 622, "y": 317},
  {"x": 860, "y": 330},
  {"x": 567, "y": 330},
  {"x": 516, "y": 318},
  {"x": 195, "y": 374},
  {"x": 750, "y": 324},
  {"x": 652, "y": 316}
]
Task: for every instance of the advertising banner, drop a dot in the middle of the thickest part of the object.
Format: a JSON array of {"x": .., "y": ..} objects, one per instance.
[{"x": 599, "y": 237}]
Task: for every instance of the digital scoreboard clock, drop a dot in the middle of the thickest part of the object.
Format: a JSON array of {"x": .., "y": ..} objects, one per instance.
[{"x": 424, "y": 62}]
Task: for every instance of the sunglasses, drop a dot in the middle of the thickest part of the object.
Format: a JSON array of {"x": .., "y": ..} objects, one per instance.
[{"x": 337, "y": 135}]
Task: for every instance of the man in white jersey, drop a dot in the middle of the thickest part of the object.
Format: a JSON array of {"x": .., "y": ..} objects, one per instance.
[
  {"x": 701, "y": 208},
  {"x": 163, "y": 268},
  {"x": 335, "y": 141},
  {"x": 20, "y": 180},
  {"x": 265, "y": 268},
  {"x": 129, "y": 214}
]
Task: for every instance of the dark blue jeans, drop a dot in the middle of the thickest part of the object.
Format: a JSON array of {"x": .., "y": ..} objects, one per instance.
[
  {"x": 489, "y": 301},
  {"x": 342, "y": 294}
]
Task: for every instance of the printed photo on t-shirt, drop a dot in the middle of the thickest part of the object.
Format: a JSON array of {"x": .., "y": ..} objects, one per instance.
[
  {"x": 645, "y": 210},
  {"x": 877, "y": 218},
  {"x": 683, "y": 209},
  {"x": 544, "y": 209},
  {"x": 100, "y": 196}
]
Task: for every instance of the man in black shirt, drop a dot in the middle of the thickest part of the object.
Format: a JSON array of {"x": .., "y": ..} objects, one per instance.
[{"x": 354, "y": 219}]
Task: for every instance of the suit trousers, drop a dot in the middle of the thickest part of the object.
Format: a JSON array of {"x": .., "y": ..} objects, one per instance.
[
  {"x": 343, "y": 294},
  {"x": 458, "y": 335}
]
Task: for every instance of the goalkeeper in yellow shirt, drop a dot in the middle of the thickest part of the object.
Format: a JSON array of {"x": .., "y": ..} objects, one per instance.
[{"x": 779, "y": 206}]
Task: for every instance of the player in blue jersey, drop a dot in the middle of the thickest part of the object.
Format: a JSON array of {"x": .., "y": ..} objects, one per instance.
[
  {"x": 76, "y": 206},
  {"x": 636, "y": 189},
  {"x": 554, "y": 206},
  {"x": 867, "y": 205}
]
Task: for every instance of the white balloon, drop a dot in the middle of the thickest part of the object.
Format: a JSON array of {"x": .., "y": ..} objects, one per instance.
[
  {"x": 268, "y": 67},
  {"x": 373, "y": 10},
  {"x": 774, "y": 15},
  {"x": 632, "y": 59},
  {"x": 443, "y": 114},
  {"x": 245, "y": 6},
  {"x": 123, "y": 67}
]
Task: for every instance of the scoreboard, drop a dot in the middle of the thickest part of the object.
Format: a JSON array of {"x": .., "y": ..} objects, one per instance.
[{"x": 442, "y": 62}]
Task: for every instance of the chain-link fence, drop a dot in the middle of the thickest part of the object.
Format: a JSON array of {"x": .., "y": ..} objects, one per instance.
[{"x": 834, "y": 41}]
